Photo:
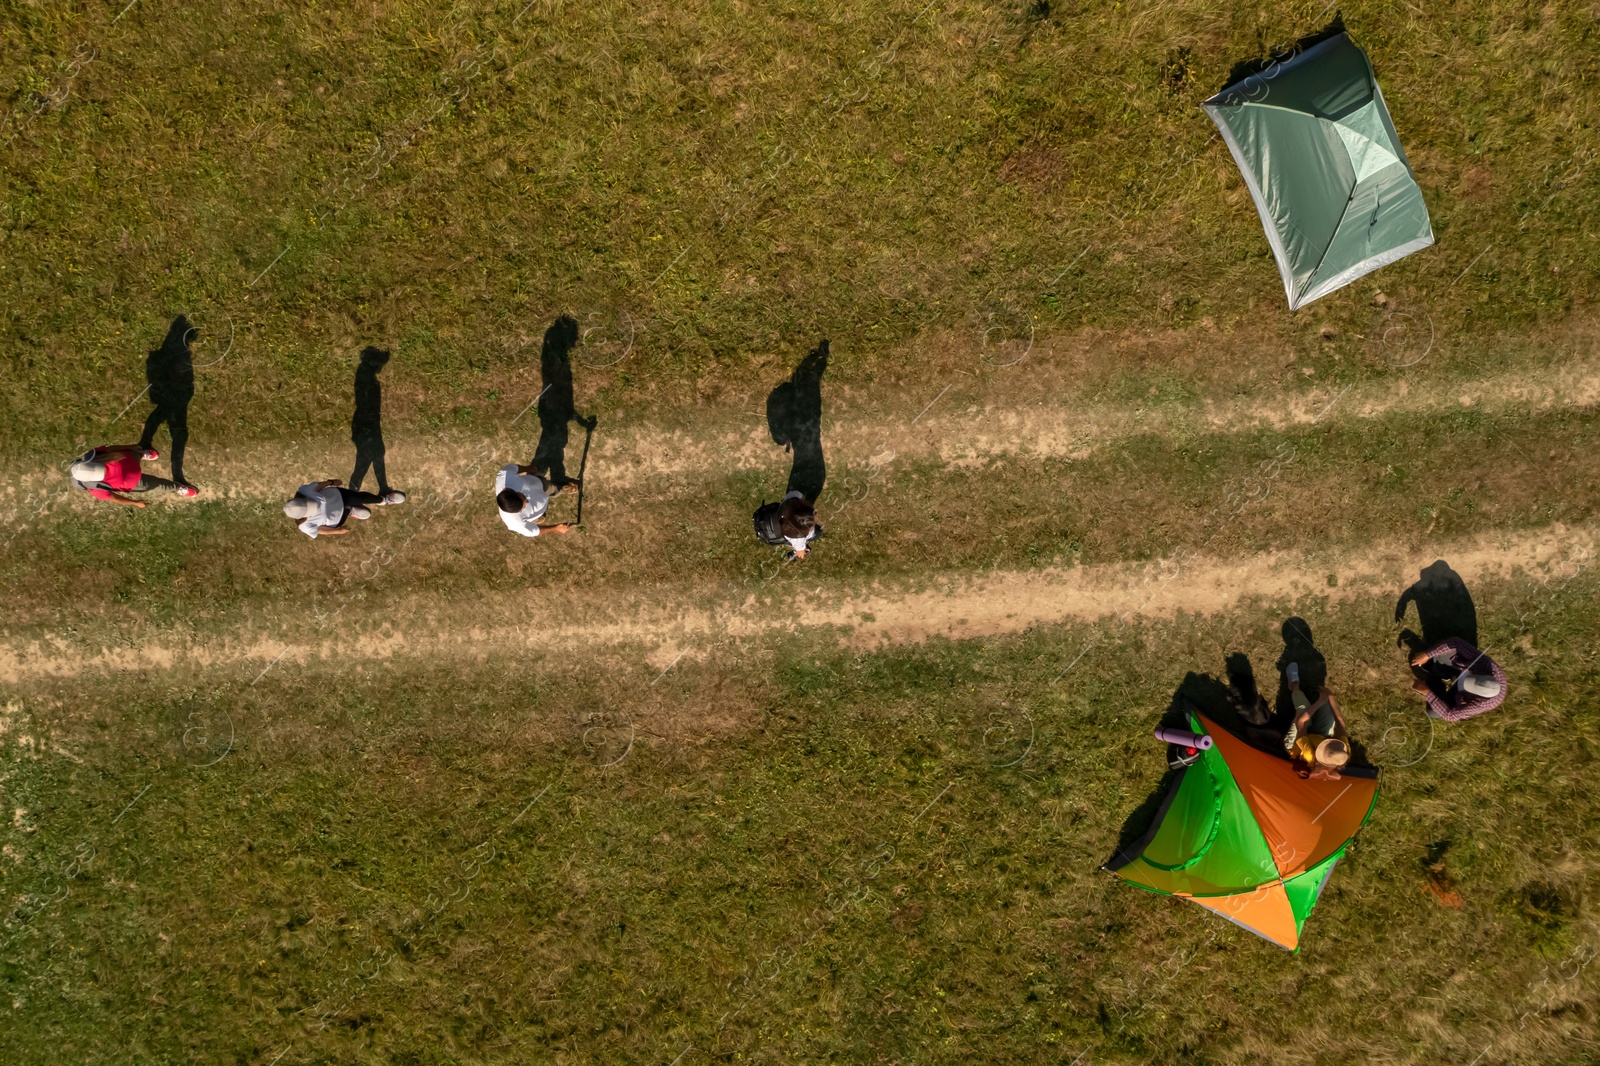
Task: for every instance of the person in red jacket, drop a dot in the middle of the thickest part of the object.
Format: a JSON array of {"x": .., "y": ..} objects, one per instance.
[{"x": 111, "y": 471}]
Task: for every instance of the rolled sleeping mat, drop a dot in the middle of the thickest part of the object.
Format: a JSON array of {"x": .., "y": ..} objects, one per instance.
[{"x": 1184, "y": 738}]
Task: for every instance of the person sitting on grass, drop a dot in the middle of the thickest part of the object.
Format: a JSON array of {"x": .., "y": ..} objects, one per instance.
[
  {"x": 109, "y": 471},
  {"x": 322, "y": 508},
  {"x": 523, "y": 495},
  {"x": 1457, "y": 680},
  {"x": 1318, "y": 741}
]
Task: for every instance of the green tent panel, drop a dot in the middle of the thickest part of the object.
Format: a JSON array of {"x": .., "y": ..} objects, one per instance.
[
  {"x": 1205, "y": 842},
  {"x": 1240, "y": 833},
  {"x": 1324, "y": 165},
  {"x": 1305, "y": 889}
]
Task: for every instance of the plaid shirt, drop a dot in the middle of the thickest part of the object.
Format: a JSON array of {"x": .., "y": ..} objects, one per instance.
[{"x": 1460, "y": 656}]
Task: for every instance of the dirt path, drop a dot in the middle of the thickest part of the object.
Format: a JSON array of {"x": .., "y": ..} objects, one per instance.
[
  {"x": 955, "y": 607},
  {"x": 957, "y": 427}
]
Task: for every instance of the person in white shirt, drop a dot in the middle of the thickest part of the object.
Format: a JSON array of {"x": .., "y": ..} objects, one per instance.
[
  {"x": 523, "y": 496},
  {"x": 322, "y": 508}
]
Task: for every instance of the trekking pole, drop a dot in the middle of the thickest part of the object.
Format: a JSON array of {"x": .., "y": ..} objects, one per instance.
[{"x": 588, "y": 432}]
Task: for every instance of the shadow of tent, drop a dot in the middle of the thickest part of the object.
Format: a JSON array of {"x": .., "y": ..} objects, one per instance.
[{"x": 1247, "y": 67}]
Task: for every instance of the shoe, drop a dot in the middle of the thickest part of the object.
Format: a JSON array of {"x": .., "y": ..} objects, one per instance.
[
  {"x": 394, "y": 496},
  {"x": 1292, "y": 673},
  {"x": 188, "y": 490},
  {"x": 150, "y": 455},
  {"x": 360, "y": 512}
]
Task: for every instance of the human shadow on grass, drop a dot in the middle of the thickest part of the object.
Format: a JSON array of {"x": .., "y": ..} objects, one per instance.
[
  {"x": 169, "y": 371},
  {"x": 366, "y": 424},
  {"x": 557, "y": 407},
  {"x": 1444, "y": 608},
  {"x": 1300, "y": 647},
  {"x": 794, "y": 418}
]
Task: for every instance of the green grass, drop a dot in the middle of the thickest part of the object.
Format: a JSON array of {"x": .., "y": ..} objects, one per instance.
[
  {"x": 594, "y": 144},
  {"x": 877, "y": 857},
  {"x": 782, "y": 850}
]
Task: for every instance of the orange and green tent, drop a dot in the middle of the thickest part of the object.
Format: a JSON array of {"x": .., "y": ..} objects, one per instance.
[{"x": 1242, "y": 834}]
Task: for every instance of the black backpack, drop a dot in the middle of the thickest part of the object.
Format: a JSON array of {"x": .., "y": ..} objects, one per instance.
[{"x": 765, "y": 520}]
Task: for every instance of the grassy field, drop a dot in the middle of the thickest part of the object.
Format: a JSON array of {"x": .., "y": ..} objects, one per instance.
[
  {"x": 734, "y": 180},
  {"x": 804, "y": 854},
  {"x": 640, "y": 794}
]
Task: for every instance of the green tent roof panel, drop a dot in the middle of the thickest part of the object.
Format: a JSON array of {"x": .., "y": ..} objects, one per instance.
[
  {"x": 1323, "y": 163},
  {"x": 1240, "y": 833}
]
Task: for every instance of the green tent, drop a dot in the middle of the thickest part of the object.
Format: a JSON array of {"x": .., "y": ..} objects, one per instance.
[
  {"x": 1313, "y": 140},
  {"x": 1244, "y": 836}
]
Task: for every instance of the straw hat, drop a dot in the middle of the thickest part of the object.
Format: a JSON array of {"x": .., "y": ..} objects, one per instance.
[{"x": 1333, "y": 752}]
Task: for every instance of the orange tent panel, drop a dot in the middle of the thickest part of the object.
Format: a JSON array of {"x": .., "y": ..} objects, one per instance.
[
  {"x": 1304, "y": 821},
  {"x": 1264, "y": 911}
]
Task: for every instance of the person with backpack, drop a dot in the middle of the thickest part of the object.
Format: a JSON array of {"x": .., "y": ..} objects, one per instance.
[
  {"x": 111, "y": 471},
  {"x": 794, "y": 418},
  {"x": 791, "y": 522}
]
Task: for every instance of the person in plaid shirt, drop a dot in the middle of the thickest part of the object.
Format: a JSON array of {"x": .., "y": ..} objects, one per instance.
[{"x": 1457, "y": 680}]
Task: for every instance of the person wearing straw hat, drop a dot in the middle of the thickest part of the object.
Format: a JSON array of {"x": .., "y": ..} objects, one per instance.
[
  {"x": 1319, "y": 742},
  {"x": 111, "y": 471},
  {"x": 323, "y": 508},
  {"x": 1457, "y": 680}
]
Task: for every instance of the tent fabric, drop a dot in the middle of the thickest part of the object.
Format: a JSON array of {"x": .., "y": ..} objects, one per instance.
[
  {"x": 1242, "y": 834},
  {"x": 1304, "y": 890},
  {"x": 1206, "y": 843},
  {"x": 1303, "y": 820},
  {"x": 1320, "y": 156},
  {"x": 1266, "y": 912}
]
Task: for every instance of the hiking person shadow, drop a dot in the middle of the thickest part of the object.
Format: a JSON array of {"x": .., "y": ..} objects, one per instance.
[
  {"x": 794, "y": 418},
  {"x": 1444, "y": 608},
  {"x": 1298, "y": 647},
  {"x": 1235, "y": 704},
  {"x": 556, "y": 406},
  {"x": 169, "y": 371},
  {"x": 366, "y": 424}
]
